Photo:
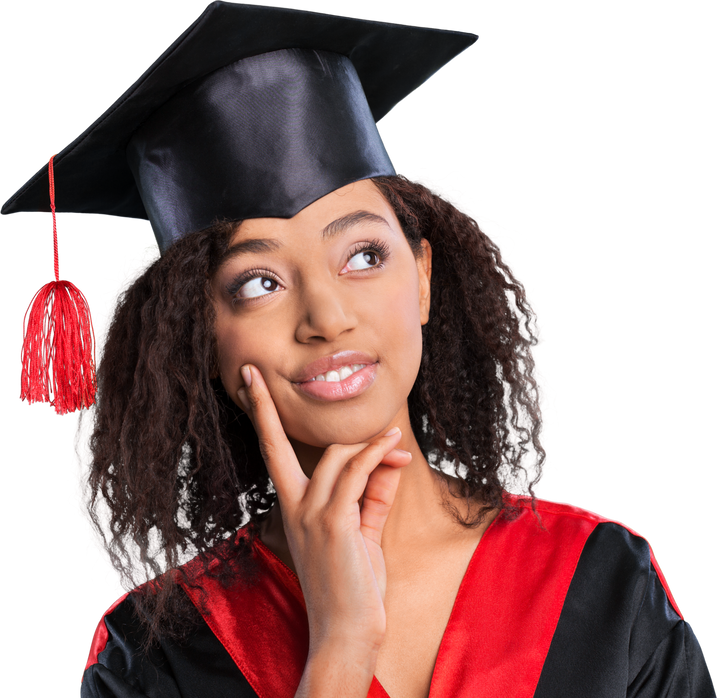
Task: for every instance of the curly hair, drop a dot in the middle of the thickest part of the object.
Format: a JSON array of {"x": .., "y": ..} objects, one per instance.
[{"x": 176, "y": 467}]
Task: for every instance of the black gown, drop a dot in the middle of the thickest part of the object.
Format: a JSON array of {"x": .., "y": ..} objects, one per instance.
[{"x": 566, "y": 605}]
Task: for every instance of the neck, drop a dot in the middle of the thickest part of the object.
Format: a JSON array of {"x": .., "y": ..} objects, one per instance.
[{"x": 418, "y": 517}]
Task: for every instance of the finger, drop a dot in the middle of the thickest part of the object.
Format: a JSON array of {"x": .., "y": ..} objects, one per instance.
[
  {"x": 351, "y": 481},
  {"x": 326, "y": 473},
  {"x": 396, "y": 458},
  {"x": 244, "y": 402},
  {"x": 378, "y": 499},
  {"x": 324, "y": 477},
  {"x": 281, "y": 462}
]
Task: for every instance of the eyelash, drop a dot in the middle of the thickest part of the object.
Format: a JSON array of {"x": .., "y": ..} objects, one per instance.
[{"x": 378, "y": 246}]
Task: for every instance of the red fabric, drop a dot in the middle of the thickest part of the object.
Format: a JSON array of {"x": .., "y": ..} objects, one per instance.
[
  {"x": 509, "y": 603},
  {"x": 99, "y": 641},
  {"x": 498, "y": 634},
  {"x": 264, "y": 627},
  {"x": 497, "y": 637}
]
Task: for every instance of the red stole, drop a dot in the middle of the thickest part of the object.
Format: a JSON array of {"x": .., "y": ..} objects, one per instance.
[{"x": 498, "y": 633}]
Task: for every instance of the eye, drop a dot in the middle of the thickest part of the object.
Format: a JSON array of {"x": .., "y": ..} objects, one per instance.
[
  {"x": 252, "y": 285},
  {"x": 252, "y": 282},
  {"x": 363, "y": 256},
  {"x": 377, "y": 249},
  {"x": 253, "y": 288}
]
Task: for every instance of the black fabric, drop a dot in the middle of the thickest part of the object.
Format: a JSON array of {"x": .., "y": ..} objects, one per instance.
[
  {"x": 617, "y": 637},
  {"x": 92, "y": 174},
  {"x": 263, "y": 137},
  {"x": 192, "y": 669}
]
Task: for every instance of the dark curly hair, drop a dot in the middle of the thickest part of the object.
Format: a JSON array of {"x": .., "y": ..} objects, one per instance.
[{"x": 176, "y": 467}]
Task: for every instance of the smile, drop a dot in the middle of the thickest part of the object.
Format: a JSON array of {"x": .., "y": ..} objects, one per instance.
[
  {"x": 336, "y": 376},
  {"x": 330, "y": 386}
]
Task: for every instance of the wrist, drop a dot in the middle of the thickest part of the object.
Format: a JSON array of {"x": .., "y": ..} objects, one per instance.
[{"x": 338, "y": 669}]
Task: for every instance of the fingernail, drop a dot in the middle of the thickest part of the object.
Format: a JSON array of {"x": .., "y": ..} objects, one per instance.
[
  {"x": 241, "y": 394},
  {"x": 400, "y": 450},
  {"x": 246, "y": 375},
  {"x": 393, "y": 431}
]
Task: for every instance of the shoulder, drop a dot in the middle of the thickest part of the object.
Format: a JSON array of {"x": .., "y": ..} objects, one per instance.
[
  {"x": 119, "y": 661},
  {"x": 120, "y": 611},
  {"x": 597, "y": 544},
  {"x": 122, "y": 664},
  {"x": 557, "y": 519},
  {"x": 555, "y": 513},
  {"x": 618, "y": 616},
  {"x": 610, "y": 556}
]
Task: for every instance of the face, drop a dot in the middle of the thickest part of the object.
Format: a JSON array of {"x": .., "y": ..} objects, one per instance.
[{"x": 329, "y": 306}]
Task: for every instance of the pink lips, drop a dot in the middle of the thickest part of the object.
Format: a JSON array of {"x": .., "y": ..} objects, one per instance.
[
  {"x": 349, "y": 387},
  {"x": 332, "y": 363}
]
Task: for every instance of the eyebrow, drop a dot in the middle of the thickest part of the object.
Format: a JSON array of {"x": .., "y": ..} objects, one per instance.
[{"x": 333, "y": 229}]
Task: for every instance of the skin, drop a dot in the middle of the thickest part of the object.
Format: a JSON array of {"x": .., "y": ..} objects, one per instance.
[{"x": 361, "y": 516}]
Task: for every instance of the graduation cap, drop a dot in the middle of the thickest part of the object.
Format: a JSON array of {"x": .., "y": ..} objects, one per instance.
[{"x": 252, "y": 112}]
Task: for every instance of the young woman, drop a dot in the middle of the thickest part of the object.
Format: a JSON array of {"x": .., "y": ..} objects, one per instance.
[
  {"x": 316, "y": 407},
  {"x": 368, "y": 333},
  {"x": 338, "y": 288}
]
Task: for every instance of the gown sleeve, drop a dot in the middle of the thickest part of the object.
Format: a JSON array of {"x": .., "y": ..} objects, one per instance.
[
  {"x": 664, "y": 663},
  {"x": 118, "y": 667},
  {"x": 619, "y": 633},
  {"x": 675, "y": 669}
]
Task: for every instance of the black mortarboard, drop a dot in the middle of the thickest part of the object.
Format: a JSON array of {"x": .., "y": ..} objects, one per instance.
[{"x": 252, "y": 112}]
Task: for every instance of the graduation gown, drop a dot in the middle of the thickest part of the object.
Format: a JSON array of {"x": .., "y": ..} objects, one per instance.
[{"x": 561, "y": 605}]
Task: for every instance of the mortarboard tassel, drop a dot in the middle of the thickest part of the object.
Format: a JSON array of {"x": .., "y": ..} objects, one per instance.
[{"x": 58, "y": 363}]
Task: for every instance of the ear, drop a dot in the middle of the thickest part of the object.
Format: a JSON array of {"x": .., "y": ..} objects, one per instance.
[{"x": 423, "y": 264}]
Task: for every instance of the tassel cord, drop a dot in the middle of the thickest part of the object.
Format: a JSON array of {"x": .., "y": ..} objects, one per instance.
[{"x": 51, "y": 174}]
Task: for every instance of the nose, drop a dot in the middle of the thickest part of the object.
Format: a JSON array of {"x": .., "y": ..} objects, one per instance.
[{"x": 324, "y": 311}]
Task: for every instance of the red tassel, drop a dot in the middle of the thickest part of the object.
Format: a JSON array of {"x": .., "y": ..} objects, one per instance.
[{"x": 58, "y": 364}]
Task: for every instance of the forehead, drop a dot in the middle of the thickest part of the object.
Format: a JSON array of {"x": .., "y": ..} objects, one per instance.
[{"x": 362, "y": 196}]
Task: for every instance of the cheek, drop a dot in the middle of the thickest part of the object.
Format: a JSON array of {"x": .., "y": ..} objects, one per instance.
[
  {"x": 231, "y": 356},
  {"x": 404, "y": 337}
]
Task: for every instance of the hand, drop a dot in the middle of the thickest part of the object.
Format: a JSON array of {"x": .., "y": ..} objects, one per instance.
[{"x": 333, "y": 524}]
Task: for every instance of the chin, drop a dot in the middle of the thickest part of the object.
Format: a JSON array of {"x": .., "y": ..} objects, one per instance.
[{"x": 325, "y": 437}]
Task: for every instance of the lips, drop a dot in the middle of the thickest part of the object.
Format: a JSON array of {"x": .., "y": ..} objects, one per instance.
[
  {"x": 350, "y": 387},
  {"x": 335, "y": 362}
]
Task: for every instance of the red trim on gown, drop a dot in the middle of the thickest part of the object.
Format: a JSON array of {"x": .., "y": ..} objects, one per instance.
[
  {"x": 99, "y": 637},
  {"x": 498, "y": 634}
]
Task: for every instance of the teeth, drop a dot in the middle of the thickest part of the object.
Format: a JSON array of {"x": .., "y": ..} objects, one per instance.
[{"x": 342, "y": 374}]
